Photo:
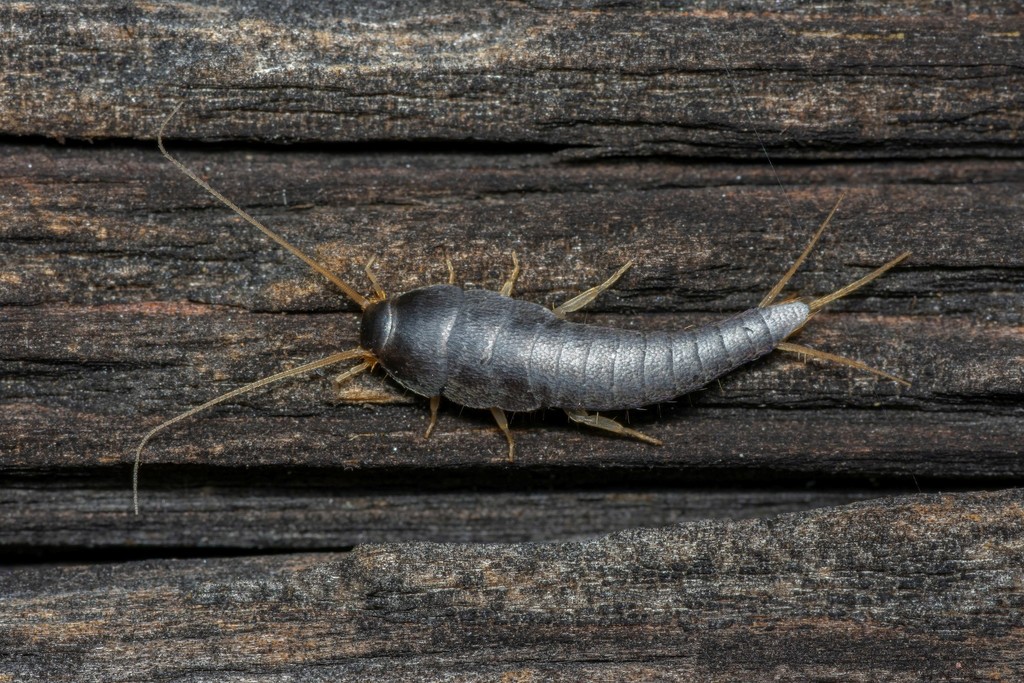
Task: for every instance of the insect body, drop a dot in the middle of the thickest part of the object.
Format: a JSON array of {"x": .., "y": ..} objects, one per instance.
[{"x": 483, "y": 349}]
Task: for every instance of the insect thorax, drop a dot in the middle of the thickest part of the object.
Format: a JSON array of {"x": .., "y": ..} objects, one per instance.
[{"x": 408, "y": 335}]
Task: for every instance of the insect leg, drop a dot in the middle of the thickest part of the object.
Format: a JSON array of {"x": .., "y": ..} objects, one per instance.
[
  {"x": 506, "y": 289},
  {"x": 349, "y": 374},
  {"x": 377, "y": 289},
  {"x": 609, "y": 425},
  {"x": 435, "y": 402},
  {"x": 581, "y": 300},
  {"x": 499, "y": 417},
  {"x": 451, "y": 270}
]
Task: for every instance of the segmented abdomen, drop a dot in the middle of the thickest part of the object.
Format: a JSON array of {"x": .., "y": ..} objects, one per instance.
[{"x": 518, "y": 356}]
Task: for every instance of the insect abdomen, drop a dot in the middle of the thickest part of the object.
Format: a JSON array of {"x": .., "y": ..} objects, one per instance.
[
  {"x": 610, "y": 369},
  {"x": 518, "y": 356}
]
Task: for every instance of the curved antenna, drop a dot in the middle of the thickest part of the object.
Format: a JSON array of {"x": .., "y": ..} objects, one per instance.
[
  {"x": 351, "y": 293},
  {"x": 342, "y": 356}
]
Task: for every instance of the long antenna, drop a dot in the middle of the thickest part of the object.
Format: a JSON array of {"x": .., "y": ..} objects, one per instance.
[
  {"x": 252, "y": 386},
  {"x": 363, "y": 302},
  {"x": 349, "y": 291}
]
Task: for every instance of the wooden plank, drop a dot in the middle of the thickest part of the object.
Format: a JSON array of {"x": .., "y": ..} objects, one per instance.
[
  {"x": 192, "y": 302},
  {"x": 905, "y": 589},
  {"x": 901, "y": 79},
  {"x": 579, "y": 139},
  {"x": 148, "y": 290},
  {"x": 68, "y": 516}
]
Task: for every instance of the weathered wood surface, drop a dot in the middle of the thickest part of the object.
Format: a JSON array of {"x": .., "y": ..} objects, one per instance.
[
  {"x": 133, "y": 300},
  {"x": 920, "y": 588},
  {"x": 579, "y": 139},
  {"x": 634, "y": 79}
]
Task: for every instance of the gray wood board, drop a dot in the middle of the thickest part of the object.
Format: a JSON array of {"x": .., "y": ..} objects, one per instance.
[{"x": 905, "y": 589}]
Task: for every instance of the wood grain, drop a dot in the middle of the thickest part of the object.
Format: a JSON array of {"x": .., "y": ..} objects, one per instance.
[
  {"x": 634, "y": 79},
  {"x": 903, "y": 589},
  {"x": 577, "y": 137}
]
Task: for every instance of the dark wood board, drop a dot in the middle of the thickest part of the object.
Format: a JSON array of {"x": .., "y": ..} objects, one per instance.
[
  {"x": 576, "y": 137},
  {"x": 900, "y": 589},
  {"x": 856, "y": 79}
]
